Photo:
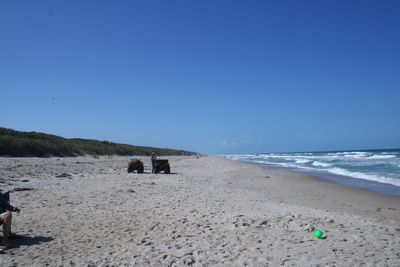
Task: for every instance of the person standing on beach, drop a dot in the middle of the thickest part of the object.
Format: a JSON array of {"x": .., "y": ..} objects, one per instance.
[
  {"x": 5, "y": 219},
  {"x": 153, "y": 161}
]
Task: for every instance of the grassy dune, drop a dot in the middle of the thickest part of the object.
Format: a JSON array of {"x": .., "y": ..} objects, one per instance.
[{"x": 34, "y": 144}]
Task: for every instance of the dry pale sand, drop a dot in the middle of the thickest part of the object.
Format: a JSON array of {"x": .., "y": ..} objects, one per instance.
[{"x": 208, "y": 212}]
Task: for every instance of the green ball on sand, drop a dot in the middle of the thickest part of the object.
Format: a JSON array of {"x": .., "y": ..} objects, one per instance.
[{"x": 318, "y": 233}]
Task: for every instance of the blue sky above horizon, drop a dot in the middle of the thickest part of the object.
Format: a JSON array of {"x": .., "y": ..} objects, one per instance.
[{"x": 209, "y": 76}]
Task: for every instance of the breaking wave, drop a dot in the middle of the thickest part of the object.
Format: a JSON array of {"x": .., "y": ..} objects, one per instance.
[
  {"x": 321, "y": 164},
  {"x": 380, "y": 166},
  {"x": 370, "y": 177}
]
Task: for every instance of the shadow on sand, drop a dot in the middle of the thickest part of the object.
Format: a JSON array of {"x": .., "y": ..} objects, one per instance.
[
  {"x": 155, "y": 173},
  {"x": 24, "y": 240}
]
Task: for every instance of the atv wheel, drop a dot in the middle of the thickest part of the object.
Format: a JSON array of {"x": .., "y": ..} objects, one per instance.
[
  {"x": 140, "y": 169},
  {"x": 167, "y": 170}
]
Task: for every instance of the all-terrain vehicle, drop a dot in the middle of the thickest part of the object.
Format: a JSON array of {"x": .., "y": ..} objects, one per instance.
[
  {"x": 135, "y": 165},
  {"x": 161, "y": 165}
]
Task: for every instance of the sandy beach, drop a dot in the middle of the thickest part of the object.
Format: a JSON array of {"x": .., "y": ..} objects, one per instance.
[{"x": 209, "y": 211}]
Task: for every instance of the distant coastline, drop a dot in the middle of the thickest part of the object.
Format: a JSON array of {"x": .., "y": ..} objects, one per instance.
[{"x": 35, "y": 144}]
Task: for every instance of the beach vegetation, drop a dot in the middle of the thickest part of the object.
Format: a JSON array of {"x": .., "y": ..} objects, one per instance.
[{"x": 35, "y": 144}]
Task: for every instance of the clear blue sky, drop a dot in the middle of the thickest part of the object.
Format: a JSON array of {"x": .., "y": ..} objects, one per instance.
[{"x": 208, "y": 76}]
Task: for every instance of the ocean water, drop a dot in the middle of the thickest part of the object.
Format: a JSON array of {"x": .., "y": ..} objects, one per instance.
[{"x": 378, "y": 170}]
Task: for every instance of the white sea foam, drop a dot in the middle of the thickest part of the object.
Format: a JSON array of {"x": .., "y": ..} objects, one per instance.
[
  {"x": 382, "y": 157},
  {"x": 296, "y": 157},
  {"x": 354, "y": 153},
  {"x": 321, "y": 164},
  {"x": 288, "y": 165},
  {"x": 302, "y": 161},
  {"x": 360, "y": 175},
  {"x": 355, "y": 156}
]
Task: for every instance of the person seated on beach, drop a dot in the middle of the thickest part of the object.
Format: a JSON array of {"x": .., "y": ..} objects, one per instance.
[
  {"x": 153, "y": 160},
  {"x": 5, "y": 219}
]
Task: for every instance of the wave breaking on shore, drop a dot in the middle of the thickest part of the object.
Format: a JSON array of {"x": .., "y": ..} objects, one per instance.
[{"x": 381, "y": 166}]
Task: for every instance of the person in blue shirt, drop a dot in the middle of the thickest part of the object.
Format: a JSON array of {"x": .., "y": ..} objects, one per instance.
[{"x": 5, "y": 218}]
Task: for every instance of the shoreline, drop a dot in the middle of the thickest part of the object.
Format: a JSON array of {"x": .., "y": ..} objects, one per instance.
[
  {"x": 209, "y": 211},
  {"x": 369, "y": 185},
  {"x": 315, "y": 192}
]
